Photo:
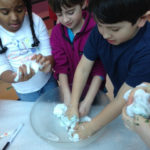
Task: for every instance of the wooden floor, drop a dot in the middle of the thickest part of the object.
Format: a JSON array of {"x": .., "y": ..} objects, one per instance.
[{"x": 7, "y": 91}]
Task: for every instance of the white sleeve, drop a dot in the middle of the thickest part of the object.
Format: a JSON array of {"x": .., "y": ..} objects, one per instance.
[
  {"x": 4, "y": 64},
  {"x": 42, "y": 35}
]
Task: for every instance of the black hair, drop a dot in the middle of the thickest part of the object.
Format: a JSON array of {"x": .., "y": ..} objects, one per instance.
[
  {"x": 35, "y": 40},
  {"x": 113, "y": 11},
  {"x": 3, "y": 49},
  {"x": 57, "y": 4}
]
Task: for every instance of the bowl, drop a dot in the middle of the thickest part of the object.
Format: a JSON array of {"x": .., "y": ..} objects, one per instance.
[{"x": 47, "y": 126}]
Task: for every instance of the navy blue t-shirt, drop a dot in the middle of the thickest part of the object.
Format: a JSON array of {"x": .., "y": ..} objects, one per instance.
[{"x": 128, "y": 62}]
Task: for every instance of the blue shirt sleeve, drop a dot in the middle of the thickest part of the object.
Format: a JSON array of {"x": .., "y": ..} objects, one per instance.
[
  {"x": 91, "y": 46},
  {"x": 140, "y": 69}
]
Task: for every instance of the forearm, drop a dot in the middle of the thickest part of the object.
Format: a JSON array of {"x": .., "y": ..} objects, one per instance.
[
  {"x": 8, "y": 76},
  {"x": 79, "y": 82},
  {"x": 112, "y": 110},
  {"x": 144, "y": 133},
  {"x": 93, "y": 89},
  {"x": 64, "y": 86},
  {"x": 81, "y": 75}
]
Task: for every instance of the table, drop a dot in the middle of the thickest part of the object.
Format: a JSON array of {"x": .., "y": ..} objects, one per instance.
[{"x": 12, "y": 113}]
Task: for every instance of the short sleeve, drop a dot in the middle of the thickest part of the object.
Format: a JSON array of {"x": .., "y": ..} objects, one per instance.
[
  {"x": 140, "y": 69},
  {"x": 90, "y": 49}
]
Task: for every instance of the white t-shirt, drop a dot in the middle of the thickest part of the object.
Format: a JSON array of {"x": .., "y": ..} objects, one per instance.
[{"x": 20, "y": 51}]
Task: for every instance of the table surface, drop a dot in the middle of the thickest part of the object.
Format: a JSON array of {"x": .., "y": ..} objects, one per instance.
[{"x": 114, "y": 137}]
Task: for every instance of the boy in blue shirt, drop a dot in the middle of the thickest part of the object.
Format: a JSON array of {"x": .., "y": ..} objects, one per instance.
[{"x": 121, "y": 40}]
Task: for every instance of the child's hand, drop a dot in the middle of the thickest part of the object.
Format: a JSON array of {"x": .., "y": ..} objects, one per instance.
[
  {"x": 128, "y": 121},
  {"x": 23, "y": 74},
  {"x": 145, "y": 88},
  {"x": 84, "y": 130},
  {"x": 44, "y": 61},
  {"x": 136, "y": 123},
  {"x": 142, "y": 122},
  {"x": 72, "y": 111},
  {"x": 84, "y": 108},
  {"x": 67, "y": 100}
]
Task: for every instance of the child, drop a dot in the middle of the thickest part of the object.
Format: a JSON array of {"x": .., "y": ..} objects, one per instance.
[
  {"x": 24, "y": 37},
  {"x": 121, "y": 40},
  {"x": 138, "y": 124},
  {"x": 67, "y": 40}
]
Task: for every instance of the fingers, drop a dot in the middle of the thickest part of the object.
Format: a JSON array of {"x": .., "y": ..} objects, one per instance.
[
  {"x": 79, "y": 129},
  {"x": 147, "y": 83},
  {"x": 71, "y": 111},
  {"x": 23, "y": 70},
  {"x": 147, "y": 89},
  {"x": 81, "y": 114},
  {"x": 84, "y": 108},
  {"x": 128, "y": 121},
  {"x": 81, "y": 111},
  {"x": 46, "y": 67},
  {"x": 124, "y": 114},
  {"x": 140, "y": 120},
  {"x": 76, "y": 127},
  {"x": 44, "y": 61},
  {"x": 131, "y": 97},
  {"x": 23, "y": 73},
  {"x": 135, "y": 122},
  {"x": 40, "y": 59}
]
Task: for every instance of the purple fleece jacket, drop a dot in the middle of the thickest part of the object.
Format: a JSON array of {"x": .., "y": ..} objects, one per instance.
[{"x": 67, "y": 55}]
